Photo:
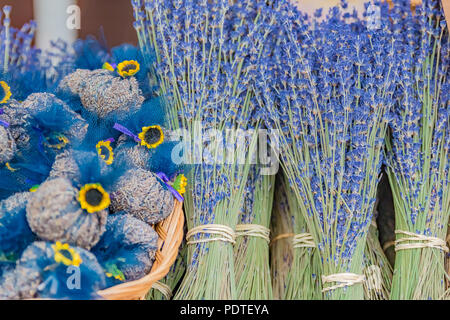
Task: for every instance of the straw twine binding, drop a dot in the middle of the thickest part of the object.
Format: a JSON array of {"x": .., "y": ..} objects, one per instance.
[
  {"x": 253, "y": 230},
  {"x": 217, "y": 232},
  {"x": 342, "y": 280},
  {"x": 418, "y": 241},
  {"x": 164, "y": 289},
  {"x": 170, "y": 233}
]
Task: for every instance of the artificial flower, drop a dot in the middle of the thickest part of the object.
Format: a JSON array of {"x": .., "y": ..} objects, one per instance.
[{"x": 94, "y": 198}]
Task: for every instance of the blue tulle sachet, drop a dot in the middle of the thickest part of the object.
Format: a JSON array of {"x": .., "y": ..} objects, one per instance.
[
  {"x": 127, "y": 248},
  {"x": 80, "y": 127},
  {"x": 58, "y": 271}
]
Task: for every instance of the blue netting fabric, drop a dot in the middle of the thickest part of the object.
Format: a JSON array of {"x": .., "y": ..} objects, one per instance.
[
  {"x": 50, "y": 127},
  {"x": 15, "y": 234},
  {"x": 38, "y": 275},
  {"x": 94, "y": 170},
  {"x": 127, "y": 248}
]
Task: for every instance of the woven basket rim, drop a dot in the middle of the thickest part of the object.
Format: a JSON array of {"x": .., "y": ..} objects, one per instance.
[{"x": 170, "y": 232}]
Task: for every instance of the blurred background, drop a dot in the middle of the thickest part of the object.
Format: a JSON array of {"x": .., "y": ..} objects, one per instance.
[
  {"x": 114, "y": 17},
  {"x": 111, "y": 18}
]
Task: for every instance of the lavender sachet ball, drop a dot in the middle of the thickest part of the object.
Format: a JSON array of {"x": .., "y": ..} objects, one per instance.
[
  {"x": 127, "y": 249},
  {"x": 65, "y": 166},
  {"x": 17, "y": 117},
  {"x": 58, "y": 211},
  {"x": 102, "y": 93},
  {"x": 49, "y": 112},
  {"x": 8, "y": 288},
  {"x": 7, "y": 145},
  {"x": 57, "y": 271},
  {"x": 133, "y": 154},
  {"x": 143, "y": 195}
]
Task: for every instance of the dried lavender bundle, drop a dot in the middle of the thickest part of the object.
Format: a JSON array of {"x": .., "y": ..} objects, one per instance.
[
  {"x": 24, "y": 69},
  {"x": 16, "y": 51},
  {"x": 251, "y": 251},
  {"x": 418, "y": 151},
  {"x": 281, "y": 252},
  {"x": 328, "y": 91},
  {"x": 377, "y": 269},
  {"x": 447, "y": 267},
  {"x": 303, "y": 280},
  {"x": 206, "y": 53}
]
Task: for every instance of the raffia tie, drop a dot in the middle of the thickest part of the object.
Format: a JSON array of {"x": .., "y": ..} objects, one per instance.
[
  {"x": 282, "y": 236},
  {"x": 342, "y": 280},
  {"x": 253, "y": 230},
  {"x": 388, "y": 244},
  {"x": 303, "y": 240},
  {"x": 219, "y": 231},
  {"x": 373, "y": 277},
  {"x": 164, "y": 289},
  {"x": 418, "y": 241}
]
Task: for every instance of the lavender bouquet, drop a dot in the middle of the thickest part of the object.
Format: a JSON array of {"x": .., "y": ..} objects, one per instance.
[
  {"x": 377, "y": 269},
  {"x": 23, "y": 68},
  {"x": 251, "y": 251},
  {"x": 328, "y": 90},
  {"x": 17, "y": 51},
  {"x": 418, "y": 151},
  {"x": 303, "y": 279},
  {"x": 206, "y": 53}
]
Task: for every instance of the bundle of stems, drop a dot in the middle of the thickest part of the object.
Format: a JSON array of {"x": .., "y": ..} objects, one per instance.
[
  {"x": 281, "y": 228},
  {"x": 447, "y": 267},
  {"x": 418, "y": 151},
  {"x": 16, "y": 50},
  {"x": 303, "y": 280},
  {"x": 377, "y": 269},
  {"x": 251, "y": 251},
  {"x": 164, "y": 289},
  {"x": 328, "y": 91},
  {"x": 206, "y": 53}
]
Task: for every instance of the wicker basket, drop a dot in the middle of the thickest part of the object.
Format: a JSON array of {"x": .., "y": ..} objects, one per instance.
[{"x": 170, "y": 233}]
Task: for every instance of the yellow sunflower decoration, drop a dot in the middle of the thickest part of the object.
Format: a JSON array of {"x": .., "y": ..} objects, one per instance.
[
  {"x": 128, "y": 68},
  {"x": 151, "y": 137},
  {"x": 34, "y": 188},
  {"x": 117, "y": 276},
  {"x": 8, "y": 166},
  {"x": 112, "y": 271},
  {"x": 56, "y": 140},
  {"x": 108, "y": 66},
  {"x": 66, "y": 255},
  {"x": 6, "y": 94},
  {"x": 105, "y": 151},
  {"x": 93, "y": 198},
  {"x": 180, "y": 184}
]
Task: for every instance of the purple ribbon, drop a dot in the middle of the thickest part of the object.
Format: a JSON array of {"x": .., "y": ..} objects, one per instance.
[
  {"x": 165, "y": 179},
  {"x": 4, "y": 123},
  {"x": 124, "y": 130},
  {"x": 110, "y": 140}
]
